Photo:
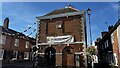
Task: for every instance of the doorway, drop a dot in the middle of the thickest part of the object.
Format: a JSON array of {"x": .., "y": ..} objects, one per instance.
[
  {"x": 50, "y": 56},
  {"x": 67, "y": 57}
]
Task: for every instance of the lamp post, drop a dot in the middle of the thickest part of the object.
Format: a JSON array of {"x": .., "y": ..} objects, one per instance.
[{"x": 88, "y": 12}]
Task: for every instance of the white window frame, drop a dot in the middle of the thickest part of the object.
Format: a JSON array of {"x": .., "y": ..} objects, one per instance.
[
  {"x": 16, "y": 54},
  {"x": 16, "y": 42},
  {"x": 107, "y": 43},
  {"x": 112, "y": 38},
  {"x": 2, "y": 53},
  {"x": 27, "y": 44},
  {"x": 26, "y": 55},
  {"x": 2, "y": 39}
]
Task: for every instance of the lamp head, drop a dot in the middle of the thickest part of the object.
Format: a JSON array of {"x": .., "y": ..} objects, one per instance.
[{"x": 88, "y": 11}]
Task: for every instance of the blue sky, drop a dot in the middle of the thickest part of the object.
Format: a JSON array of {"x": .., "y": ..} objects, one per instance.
[{"x": 23, "y": 14}]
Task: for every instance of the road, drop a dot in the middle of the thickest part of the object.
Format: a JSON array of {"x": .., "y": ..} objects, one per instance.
[{"x": 18, "y": 65}]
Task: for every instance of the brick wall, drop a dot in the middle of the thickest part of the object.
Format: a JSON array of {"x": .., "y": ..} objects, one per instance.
[
  {"x": 72, "y": 25},
  {"x": 10, "y": 41},
  {"x": 115, "y": 46}
]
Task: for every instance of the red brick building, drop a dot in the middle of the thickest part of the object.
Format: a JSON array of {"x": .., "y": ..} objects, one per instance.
[
  {"x": 62, "y": 38},
  {"x": 109, "y": 46},
  {"x": 14, "y": 45},
  {"x": 115, "y": 40}
]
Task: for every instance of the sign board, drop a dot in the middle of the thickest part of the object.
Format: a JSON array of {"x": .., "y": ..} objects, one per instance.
[{"x": 60, "y": 39}]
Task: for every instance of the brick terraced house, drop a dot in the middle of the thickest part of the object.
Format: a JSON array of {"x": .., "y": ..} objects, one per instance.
[
  {"x": 109, "y": 46},
  {"x": 14, "y": 46},
  {"x": 61, "y": 37},
  {"x": 115, "y": 41}
]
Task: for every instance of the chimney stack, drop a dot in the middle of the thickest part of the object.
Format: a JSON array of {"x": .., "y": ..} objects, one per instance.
[
  {"x": 97, "y": 41},
  {"x": 104, "y": 33},
  {"x": 110, "y": 27},
  {"x": 6, "y": 23}
]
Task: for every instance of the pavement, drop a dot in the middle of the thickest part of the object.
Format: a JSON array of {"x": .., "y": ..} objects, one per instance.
[{"x": 18, "y": 65}]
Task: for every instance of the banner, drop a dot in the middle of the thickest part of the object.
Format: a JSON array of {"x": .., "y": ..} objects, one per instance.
[{"x": 60, "y": 39}]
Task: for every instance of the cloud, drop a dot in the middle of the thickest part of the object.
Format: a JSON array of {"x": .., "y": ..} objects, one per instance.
[{"x": 115, "y": 6}]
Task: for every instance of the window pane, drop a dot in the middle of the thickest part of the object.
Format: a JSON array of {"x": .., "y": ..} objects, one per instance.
[
  {"x": 26, "y": 55},
  {"x": 16, "y": 42},
  {"x": 2, "y": 39},
  {"x": 112, "y": 38},
  {"x": 15, "y": 54},
  {"x": 1, "y": 53},
  {"x": 27, "y": 44}
]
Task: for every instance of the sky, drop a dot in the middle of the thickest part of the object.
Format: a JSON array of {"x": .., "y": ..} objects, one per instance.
[{"x": 23, "y": 15}]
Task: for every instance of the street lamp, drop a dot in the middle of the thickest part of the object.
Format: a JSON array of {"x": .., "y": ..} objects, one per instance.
[{"x": 88, "y": 12}]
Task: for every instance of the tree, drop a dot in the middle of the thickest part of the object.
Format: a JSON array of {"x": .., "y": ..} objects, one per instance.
[{"x": 91, "y": 51}]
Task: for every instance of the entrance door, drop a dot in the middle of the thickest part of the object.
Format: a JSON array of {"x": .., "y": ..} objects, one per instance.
[
  {"x": 68, "y": 57},
  {"x": 50, "y": 56}
]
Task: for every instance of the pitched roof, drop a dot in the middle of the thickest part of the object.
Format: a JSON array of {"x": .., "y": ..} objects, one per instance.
[
  {"x": 115, "y": 26},
  {"x": 12, "y": 32},
  {"x": 67, "y": 9},
  {"x": 62, "y": 12},
  {"x": 15, "y": 33}
]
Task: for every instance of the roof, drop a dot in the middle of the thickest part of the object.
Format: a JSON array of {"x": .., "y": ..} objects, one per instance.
[
  {"x": 61, "y": 15},
  {"x": 62, "y": 10},
  {"x": 111, "y": 30},
  {"x": 12, "y": 32},
  {"x": 115, "y": 26},
  {"x": 15, "y": 33}
]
